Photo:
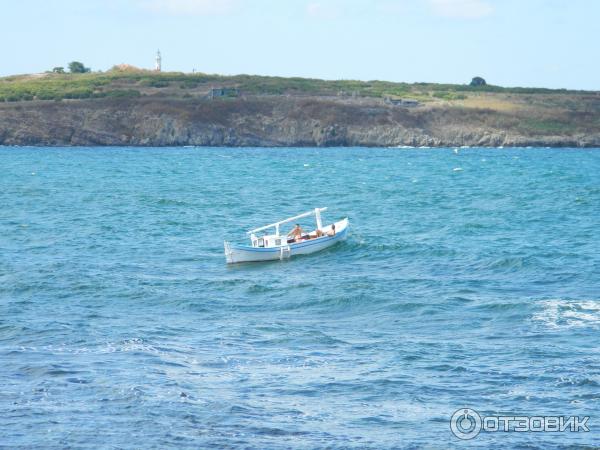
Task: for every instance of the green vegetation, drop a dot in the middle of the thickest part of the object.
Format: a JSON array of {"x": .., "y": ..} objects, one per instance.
[
  {"x": 546, "y": 126},
  {"x": 57, "y": 85},
  {"x": 450, "y": 96},
  {"x": 477, "y": 81},
  {"x": 78, "y": 67}
]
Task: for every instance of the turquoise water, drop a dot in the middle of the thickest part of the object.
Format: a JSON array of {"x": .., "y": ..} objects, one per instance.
[{"x": 468, "y": 279}]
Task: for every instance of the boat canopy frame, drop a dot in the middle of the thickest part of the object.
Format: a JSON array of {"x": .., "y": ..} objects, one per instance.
[{"x": 316, "y": 212}]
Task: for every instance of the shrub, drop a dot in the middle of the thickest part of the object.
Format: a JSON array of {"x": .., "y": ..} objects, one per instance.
[
  {"x": 78, "y": 67},
  {"x": 121, "y": 93},
  {"x": 154, "y": 83},
  {"x": 188, "y": 84}
]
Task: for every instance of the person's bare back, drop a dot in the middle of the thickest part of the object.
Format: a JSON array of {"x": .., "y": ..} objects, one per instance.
[{"x": 296, "y": 233}]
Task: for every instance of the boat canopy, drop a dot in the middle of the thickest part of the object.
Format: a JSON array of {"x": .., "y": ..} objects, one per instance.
[{"x": 316, "y": 212}]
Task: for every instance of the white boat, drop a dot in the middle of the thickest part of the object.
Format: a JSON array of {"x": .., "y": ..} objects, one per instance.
[{"x": 271, "y": 247}]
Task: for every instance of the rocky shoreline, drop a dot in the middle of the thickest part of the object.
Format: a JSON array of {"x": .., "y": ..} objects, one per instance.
[{"x": 282, "y": 121}]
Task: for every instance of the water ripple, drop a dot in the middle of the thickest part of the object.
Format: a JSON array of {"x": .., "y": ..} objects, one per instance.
[{"x": 474, "y": 287}]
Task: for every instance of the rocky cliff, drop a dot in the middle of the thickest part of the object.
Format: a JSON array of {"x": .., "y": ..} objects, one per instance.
[{"x": 291, "y": 121}]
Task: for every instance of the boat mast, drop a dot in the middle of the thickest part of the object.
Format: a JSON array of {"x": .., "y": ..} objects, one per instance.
[{"x": 318, "y": 218}]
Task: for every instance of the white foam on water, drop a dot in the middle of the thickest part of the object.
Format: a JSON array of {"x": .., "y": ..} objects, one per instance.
[
  {"x": 457, "y": 169},
  {"x": 562, "y": 314},
  {"x": 128, "y": 345}
]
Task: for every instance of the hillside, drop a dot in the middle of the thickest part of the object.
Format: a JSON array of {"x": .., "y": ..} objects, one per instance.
[{"x": 136, "y": 107}]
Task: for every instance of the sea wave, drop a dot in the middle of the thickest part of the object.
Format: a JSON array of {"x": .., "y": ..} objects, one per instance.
[{"x": 560, "y": 314}]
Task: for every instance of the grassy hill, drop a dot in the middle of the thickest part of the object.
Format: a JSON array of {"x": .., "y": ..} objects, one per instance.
[{"x": 134, "y": 83}]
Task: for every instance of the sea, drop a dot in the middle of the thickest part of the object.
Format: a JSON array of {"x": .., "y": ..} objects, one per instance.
[{"x": 468, "y": 286}]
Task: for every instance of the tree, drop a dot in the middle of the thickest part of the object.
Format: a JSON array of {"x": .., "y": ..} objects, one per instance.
[
  {"x": 58, "y": 70},
  {"x": 78, "y": 67},
  {"x": 478, "y": 81}
]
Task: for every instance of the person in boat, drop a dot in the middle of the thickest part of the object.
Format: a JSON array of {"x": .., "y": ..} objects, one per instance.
[
  {"x": 296, "y": 233},
  {"x": 318, "y": 233},
  {"x": 332, "y": 231}
]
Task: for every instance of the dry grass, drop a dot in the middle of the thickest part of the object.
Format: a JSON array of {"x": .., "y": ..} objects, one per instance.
[{"x": 492, "y": 102}]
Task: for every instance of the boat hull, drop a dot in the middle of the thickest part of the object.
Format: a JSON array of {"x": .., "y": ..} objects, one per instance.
[{"x": 235, "y": 253}]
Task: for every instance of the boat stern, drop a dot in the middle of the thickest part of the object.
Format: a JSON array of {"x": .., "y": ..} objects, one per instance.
[{"x": 228, "y": 252}]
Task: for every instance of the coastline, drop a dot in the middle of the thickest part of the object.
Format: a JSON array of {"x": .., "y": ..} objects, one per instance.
[{"x": 290, "y": 121}]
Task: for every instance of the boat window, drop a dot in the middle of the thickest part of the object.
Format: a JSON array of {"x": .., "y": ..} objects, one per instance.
[
  {"x": 261, "y": 242},
  {"x": 277, "y": 241}
]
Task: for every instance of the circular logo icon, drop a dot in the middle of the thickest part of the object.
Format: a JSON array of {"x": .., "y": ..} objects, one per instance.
[{"x": 465, "y": 423}]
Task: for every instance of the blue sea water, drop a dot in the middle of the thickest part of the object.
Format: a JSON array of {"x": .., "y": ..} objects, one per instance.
[{"x": 470, "y": 278}]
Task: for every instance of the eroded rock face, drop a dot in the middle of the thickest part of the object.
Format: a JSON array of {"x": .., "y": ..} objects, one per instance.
[{"x": 270, "y": 121}]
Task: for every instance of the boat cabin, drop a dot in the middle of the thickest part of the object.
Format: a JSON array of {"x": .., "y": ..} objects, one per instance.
[{"x": 267, "y": 241}]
